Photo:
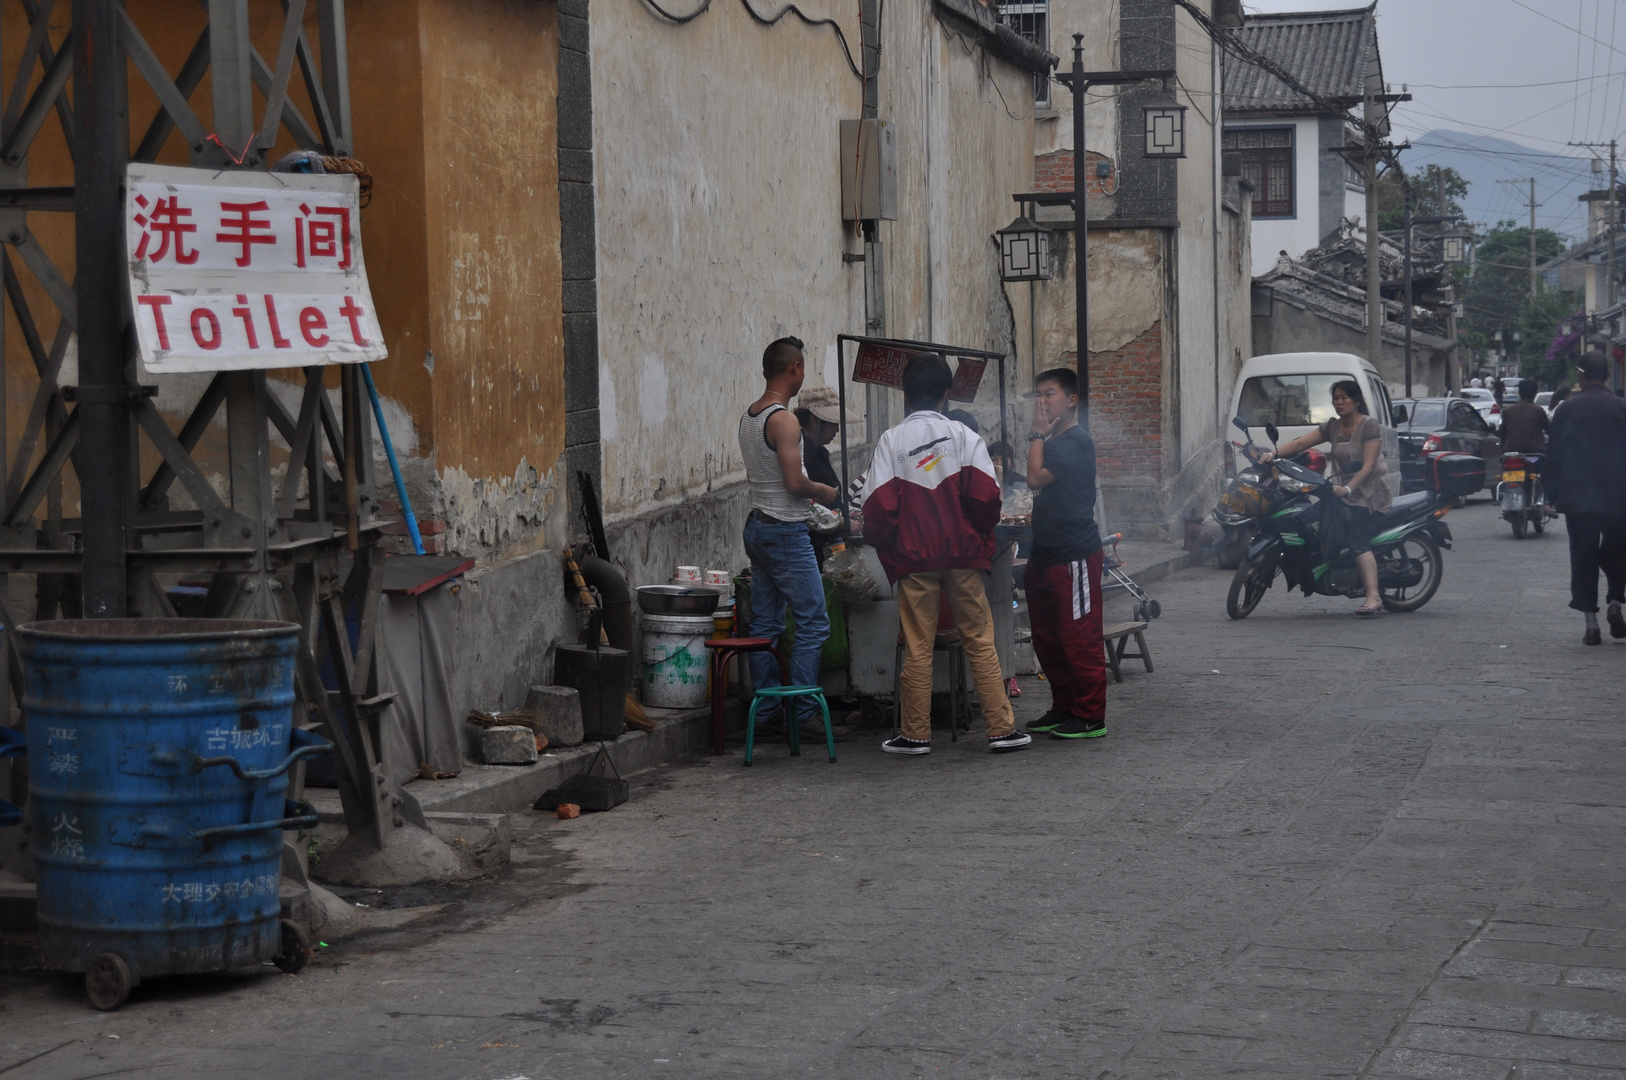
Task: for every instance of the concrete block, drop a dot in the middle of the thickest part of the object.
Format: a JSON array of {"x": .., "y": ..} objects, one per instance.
[
  {"x": 485, "y": 838},
  {"x": 508, "y": 745},
  {"x": 560, "y": 710}
]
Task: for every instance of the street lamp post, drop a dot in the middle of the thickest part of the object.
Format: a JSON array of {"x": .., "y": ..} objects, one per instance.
[
  {"x": 1165, "y": 137},
  {"x": 1410, "y": 222}
]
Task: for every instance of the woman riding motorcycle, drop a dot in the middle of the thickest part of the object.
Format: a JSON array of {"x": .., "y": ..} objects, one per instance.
[{"x": 1364, "y": 496}]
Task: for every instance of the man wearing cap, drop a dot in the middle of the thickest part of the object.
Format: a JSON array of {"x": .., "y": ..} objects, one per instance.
[
  {"x": 1585, "y": 474},
  {"x": 818, "y": 410}
]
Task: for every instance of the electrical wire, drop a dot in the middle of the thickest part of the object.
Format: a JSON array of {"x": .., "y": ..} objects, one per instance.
[{"x": 763, "y": 20}]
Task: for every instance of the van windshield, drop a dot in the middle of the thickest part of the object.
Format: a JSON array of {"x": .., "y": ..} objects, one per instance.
[{"x": 1287, "y": 400}]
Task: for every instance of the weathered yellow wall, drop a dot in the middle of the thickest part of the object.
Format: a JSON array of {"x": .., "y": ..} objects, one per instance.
[
  {"x": 491, "y": 175},
  {"x": 453, "y": 105}
]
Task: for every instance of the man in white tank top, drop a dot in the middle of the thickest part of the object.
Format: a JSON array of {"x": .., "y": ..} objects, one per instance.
[{"x": 784, "y": 572}]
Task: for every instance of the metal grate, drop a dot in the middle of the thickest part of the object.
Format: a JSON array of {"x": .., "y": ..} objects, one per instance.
[{"x": 1032, "y": 21}]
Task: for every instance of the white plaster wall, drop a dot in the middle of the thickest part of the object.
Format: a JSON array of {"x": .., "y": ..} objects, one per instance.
[
  {"x": 1354, "y": 204},
  {"x": 1300, "y": 233},
  {"x": 1098, "y": 22},
  {"x": 719, "y": 229},
  {"x": 719, "y": 221},
  {"x": 1196, "y": 61}
]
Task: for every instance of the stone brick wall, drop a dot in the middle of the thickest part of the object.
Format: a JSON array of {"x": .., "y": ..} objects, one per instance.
[
  {"x": 1126, "y": 409},
  {"x": 1054, "y": 172}
]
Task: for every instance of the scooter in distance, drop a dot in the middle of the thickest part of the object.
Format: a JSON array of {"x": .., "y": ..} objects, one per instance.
[
  {"x": 1520, "y": 494},
  {"x": 1286, "y": 500}
]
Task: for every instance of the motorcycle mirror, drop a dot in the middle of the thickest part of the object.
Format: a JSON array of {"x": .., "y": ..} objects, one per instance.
[
  {"x": 1272, "y": 433},
  {"x": 1236, "y": 422}
]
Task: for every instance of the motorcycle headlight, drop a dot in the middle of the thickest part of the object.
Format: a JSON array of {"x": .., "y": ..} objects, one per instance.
[{"x": 1289, "y": 484}]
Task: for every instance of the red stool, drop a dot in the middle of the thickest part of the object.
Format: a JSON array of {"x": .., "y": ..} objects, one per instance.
[{"x": 723, "y": 650}]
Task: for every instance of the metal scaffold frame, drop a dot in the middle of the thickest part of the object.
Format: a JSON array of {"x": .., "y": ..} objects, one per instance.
[{"x": 308, "y": 553}]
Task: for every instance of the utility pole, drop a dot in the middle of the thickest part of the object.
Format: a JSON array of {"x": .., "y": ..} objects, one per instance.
[
  {"x": 1374, "y": 241},
  {"x": 1533, "y": 204},
  {"x": 1453, "y": 380}
]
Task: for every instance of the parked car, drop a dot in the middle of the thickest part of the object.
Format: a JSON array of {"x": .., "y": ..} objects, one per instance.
[
  {"x": 1294, "y": 392},
  {"x": 1426, "y": 425},
  {"x": 1485, "y": 402}
]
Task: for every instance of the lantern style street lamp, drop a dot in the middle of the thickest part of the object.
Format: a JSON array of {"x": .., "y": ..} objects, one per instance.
[
  {"x": 1453, "y": 248},
  {"x": 1165, "y": 127},
  {"x": 1024, "y": 251},
  {"x": 1079, "y": 81}
]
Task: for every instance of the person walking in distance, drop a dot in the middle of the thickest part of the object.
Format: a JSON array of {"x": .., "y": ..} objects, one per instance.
[
  {"x": 1063, "y": 575},
  {"x": 1524, "y": 423},
  {"x": 1585, "y": 473},
  {"x": 930, "y": 506},
  {"x": 783, "y": 569}
]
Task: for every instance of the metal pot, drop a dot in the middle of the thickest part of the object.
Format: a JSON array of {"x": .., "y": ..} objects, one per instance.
[{"x": 678, "y": 599}]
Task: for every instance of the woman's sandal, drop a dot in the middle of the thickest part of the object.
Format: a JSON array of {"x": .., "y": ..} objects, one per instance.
[{"x": 1369, "y": 612}]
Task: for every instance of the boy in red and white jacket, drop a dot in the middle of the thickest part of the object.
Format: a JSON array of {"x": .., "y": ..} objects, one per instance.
[{"x": 930, "y": 506}]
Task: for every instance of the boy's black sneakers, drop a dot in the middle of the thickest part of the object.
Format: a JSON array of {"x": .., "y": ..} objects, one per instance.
[
  {"x": 1011, "y": 740},
  {"x": 1079, "y": 728},
  {"x": 1050, "y": 721},
  {"x": 900, "y": 745}
]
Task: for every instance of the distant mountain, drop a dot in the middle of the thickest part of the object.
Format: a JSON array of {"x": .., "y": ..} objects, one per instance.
[{"x": 1561, "y": 178}]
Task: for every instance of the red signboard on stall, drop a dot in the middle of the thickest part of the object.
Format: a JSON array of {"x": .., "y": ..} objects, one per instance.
[
  {"x": 967, "y": 377},
  {"x": 883, "y": 365}
]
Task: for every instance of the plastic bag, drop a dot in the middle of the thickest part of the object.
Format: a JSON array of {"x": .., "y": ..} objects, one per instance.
[
  {"x": 823, "y": 519},
  {"x": 847, "y": 571}
]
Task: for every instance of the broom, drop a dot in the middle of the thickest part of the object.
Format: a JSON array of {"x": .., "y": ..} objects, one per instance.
[{"x": 634, "y": 714}]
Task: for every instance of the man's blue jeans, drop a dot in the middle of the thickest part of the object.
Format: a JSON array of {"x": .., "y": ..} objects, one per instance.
[{"x": 784, "y": 571}]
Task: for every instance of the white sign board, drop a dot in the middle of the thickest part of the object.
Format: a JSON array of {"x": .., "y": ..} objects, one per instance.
[{"x": 237, "y": 270}]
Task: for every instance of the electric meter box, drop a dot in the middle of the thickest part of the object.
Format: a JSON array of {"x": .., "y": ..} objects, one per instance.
[{"x": 869, "y": 170}]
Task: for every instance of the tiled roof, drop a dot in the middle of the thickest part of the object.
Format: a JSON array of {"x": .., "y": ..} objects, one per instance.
[{"x": 1325, "y": 50}]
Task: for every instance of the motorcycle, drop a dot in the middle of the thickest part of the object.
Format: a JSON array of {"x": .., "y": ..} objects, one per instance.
[
  {"x": 1520, "y": 494},
  {"x": 1282, "y": 500}
]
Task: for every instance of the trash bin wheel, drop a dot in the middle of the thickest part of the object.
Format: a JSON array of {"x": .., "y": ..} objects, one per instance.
[
  {"x": 108, "y": 982},
  {"x": 296, "y": 947}
]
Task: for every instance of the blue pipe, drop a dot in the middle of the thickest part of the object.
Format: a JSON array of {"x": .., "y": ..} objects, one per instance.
[{"x": 395, "y": 466}]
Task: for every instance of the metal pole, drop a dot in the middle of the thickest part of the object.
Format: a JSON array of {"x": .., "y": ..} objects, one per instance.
[
  {"x": 1533, "y": 237},
  {"x": 1614, "y": 220},
  {"x": 1374, "y": 272},
  {"x": 1408, "y": 297},
  {"x": 1081, "y": 229},
  {"x": 99, "y": 257}
]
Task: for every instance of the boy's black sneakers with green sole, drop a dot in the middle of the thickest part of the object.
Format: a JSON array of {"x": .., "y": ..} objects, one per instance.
[
  {"x": 1050, "y": 721},
  {"x": 1079, "y": 728}
]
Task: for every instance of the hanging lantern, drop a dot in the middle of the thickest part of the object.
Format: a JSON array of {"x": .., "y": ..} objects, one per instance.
[
  {"x": 1024, "y": 251},
  {"x": 1165, "y": 127},
  {"x": 1454, "y": 249}
]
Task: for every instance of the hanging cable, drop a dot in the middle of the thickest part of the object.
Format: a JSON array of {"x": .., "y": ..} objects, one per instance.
[{"x": 763, "y": 20}]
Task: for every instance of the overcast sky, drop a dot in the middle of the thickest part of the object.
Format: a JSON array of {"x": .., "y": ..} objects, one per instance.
[{"x": 1470, "y": 65}]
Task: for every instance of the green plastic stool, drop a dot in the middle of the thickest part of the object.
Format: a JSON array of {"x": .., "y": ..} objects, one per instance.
[{"x": 792, "y": 724}]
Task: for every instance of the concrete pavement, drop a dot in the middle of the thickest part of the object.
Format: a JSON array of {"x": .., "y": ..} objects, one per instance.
[{"x": 1310, "y": 846}]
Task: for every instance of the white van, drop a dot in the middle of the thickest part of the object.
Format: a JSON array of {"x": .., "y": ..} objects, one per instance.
[{"x": 1294, "y": 392}]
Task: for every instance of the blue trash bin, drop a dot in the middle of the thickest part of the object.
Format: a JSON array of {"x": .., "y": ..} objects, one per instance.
[{"x": 158, "y": 755}]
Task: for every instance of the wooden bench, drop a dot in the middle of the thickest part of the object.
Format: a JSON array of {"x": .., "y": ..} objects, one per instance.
[{"x": 1117, "y": 641}]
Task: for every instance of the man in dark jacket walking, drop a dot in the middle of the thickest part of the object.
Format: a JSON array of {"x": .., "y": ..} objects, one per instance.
[{"x": 1585, "y": 473}]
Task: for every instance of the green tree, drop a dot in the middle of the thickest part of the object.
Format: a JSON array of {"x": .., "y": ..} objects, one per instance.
[
  {"x": 1425, "y": 195},
  {"x": 1495, "y": 294}
]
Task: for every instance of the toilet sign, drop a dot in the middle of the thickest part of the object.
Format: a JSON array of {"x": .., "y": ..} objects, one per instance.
[{"x": 239, "y": 270}]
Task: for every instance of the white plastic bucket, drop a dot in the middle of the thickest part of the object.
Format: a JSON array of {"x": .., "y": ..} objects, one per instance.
[{"x": 675, "y": 660}]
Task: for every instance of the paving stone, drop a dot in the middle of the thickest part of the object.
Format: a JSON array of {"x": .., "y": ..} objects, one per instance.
[{"x": 1404, "y": 1063}]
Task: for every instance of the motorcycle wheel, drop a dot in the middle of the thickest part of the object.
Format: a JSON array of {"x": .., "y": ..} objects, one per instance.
[
  {"x": 1248, "y": 587},
  {"x": 1421, "y": 547},
  {"x": 1518, "y": 521}
]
